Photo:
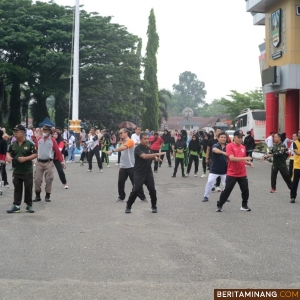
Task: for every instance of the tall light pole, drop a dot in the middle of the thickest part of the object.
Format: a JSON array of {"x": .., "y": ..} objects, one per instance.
[{"x": 75, "y": 123}]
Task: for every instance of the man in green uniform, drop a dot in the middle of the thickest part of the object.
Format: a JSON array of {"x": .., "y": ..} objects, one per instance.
[
  {"x": 279, "y": 154},
  {"x": 22, "y": 152}
]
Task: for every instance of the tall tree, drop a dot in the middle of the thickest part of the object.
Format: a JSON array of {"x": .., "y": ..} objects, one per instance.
[
  {"x": 151, "y": 115},
  {"x": 164, "y": 98},
  {"x": 190, "y": 91}
]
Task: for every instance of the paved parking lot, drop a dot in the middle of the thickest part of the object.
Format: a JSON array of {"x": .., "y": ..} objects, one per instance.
[{"x": 83, "y": 246}]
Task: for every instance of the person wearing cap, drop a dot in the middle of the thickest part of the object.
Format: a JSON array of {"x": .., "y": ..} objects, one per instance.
[
  {"x": 48, "y": 150},
  {"x": 22, "y": 152},
  {"x": 236, "y": 172}
]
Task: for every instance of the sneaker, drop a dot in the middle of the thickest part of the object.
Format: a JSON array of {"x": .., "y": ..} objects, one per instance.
[
  {"x": 173, "y": 176},
  {"x": 68, "y": 161},
  {"x": 117, "y": 164},
  {"x": 29, "y": 209},
  {"x": 203, "y": 175},
  {"x": 101, "y": 170},
  {"x": 205, "y": 199},
  {"x": 145, "y": 200},
  {"x": 37, "y": 199},
  {"x": 195, "y": 175},
  {"x": 184, "y": 176},
  {"x": 6, "y": 185},
  {"x": 119, "y": 199},
  {"x": 14, "y": 209},
  {"x": 89, "y": 170},
  {"x": 154, "y": 209},
  {"x": 219, "y": 209},
  {"x": 228, "y": 200},
  {"x": 170, "y": 166},
  {"x": 65, "y": 186},
  {"x": 245, "y": 208},
  {"x": 81, "y": 163},
  {"x": 273, "y": 191},
  {"x": 34, "y": 165},
  {"x": 155, "y": 171},
  {"x": 128, "y": 210},
  {"x": 187, "y": 175},
  {"x": 47, "y": 199},
  {"x": 218, "y": 189},
  {"x": 292, "y": 200},
  {"x": 108, "y": 166}
]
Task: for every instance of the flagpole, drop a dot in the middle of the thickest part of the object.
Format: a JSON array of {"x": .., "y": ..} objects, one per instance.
[{"x": 75, "y": 122}]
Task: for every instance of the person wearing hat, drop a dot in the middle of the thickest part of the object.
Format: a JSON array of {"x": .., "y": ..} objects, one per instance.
[
  {"x": 236, "y": 171},
  {"x": 48, "y": 150},
  {"x": 22, "y": 152}
]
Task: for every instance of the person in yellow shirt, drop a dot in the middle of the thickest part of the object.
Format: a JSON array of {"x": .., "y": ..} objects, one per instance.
[{"x": 296, "y": 169}]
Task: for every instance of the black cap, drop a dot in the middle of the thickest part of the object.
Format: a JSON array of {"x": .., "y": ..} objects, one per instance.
[
  {"x": 19, "y": 127},
  {"x": 47, "y": 127},
  {"x": 248, "y": 132},
  {"x": 237, "y": 133}
]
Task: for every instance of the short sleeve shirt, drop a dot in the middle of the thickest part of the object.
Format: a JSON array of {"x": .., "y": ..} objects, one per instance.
[
  {"x": 236, "y": 168},
  {"x": 127, "y": 156},
  {"x": 16, "y": 151},
  {"x": 142, "y": 166}
]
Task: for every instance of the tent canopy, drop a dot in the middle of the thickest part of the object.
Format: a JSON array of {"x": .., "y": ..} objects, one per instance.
[{"x": 47, "y": 121}]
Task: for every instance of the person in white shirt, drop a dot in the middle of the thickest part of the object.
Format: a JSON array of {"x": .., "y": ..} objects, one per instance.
[
  {"x": 269, "y": 141},
  {"x": 71, "y": 147},
  {"x": 136, "y": 136},
  {"x": 93, "y": 148},
  {"x": 65, "y": 134},
  {"x": 29, "y": 133}
]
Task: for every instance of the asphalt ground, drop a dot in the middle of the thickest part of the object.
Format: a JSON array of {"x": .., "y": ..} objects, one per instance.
[{"x": 83, "y": 246}]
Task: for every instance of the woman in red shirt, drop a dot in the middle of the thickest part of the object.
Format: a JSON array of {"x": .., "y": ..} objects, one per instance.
[
  {"x": 156, "y": 142},
  {"x": 61, "y": 146}
]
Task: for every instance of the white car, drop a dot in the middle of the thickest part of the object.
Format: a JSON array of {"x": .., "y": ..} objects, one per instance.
[{"x": 230, "y": 134}]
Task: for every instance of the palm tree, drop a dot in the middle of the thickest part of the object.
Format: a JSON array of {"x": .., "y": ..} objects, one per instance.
[{"x": 164, "y": 97}]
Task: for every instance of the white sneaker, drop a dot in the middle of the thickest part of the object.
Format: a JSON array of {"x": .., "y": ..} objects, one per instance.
[
  {"x": 89, "y": 170},
  {"x": 203, "y": 175},
  {"x": 65, "y": 186},
  {"x": 117, "y": 164},
  {"x": 218, "y": 189},
  {"x": 108, "y": 166},
  {"x": 68, "y": 161},
  {"x": 34, "y": 165},
  {"x": 6, "y": 186},
  {"x": 195, "y": 174},
  {"x": 101, "y": 170}
]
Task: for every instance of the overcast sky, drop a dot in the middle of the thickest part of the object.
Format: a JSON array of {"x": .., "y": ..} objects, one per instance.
[{"x": 215, "y": 39}]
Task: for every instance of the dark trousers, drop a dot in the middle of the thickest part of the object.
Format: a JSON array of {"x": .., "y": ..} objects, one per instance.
[
  {"x": 18, "y": 181},
  {"x": 90, "y": 158},
  {"x": 119, "y": 157},
  {"x": 291, "y": 167},
  {"x": 60, "y": 171},
  {"x": 249, "y": 153},
  {"x": 229, "y": 185},
  {"x": 104, "y": 157},
  {"x": 284, "y": 173},
  {"x": 138, "y": 181},
  {"x": 4, "y": 174},
  {"x": 83, "y": 156},
  {"x": 123, "y": 175},
  {"x": 195, "y": 159},
  {"x": 177, "y": 162},
  {"x": 168, "y": 155},
  {"x": 294, "y": 187},
  {"x": 204, "y": 164},
  {"x": 155, "y": 162}
]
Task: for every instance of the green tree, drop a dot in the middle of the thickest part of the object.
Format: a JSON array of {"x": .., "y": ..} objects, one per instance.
[
  {"x": 212, "y": 109},
  {"x": 164, "y": 98},
  {"x": 189, "y": 92},
  {"x": 238, "y": 102},
  {"x": 151, "y": 115}
]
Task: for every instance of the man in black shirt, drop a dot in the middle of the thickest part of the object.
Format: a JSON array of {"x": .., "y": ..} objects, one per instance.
[
  {"x": 143, "y": 172},
  {"x": 209, "y": 152}
]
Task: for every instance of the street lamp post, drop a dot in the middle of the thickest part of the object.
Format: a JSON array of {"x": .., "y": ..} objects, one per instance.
[{"x": 75, "y": 123}]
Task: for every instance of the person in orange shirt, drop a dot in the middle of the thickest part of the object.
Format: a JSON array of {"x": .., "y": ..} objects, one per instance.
[
  {"x": 156, "y": 142},
  {"x": 126, "y": 164}
]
